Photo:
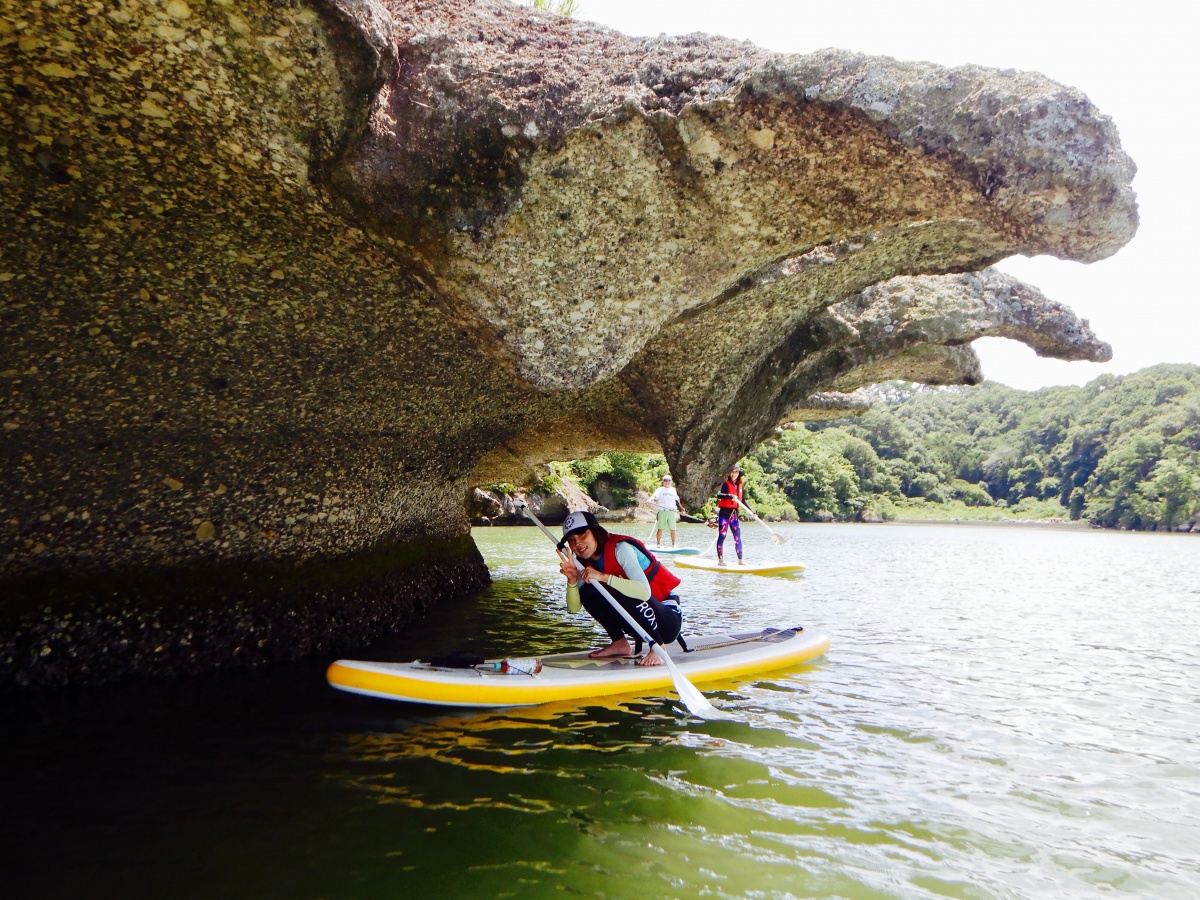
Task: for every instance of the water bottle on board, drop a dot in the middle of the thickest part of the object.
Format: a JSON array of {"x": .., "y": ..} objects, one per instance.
[{"x": 518, "y": 665}]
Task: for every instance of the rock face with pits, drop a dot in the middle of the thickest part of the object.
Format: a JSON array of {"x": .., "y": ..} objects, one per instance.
[{"x": 282, "y": 282}]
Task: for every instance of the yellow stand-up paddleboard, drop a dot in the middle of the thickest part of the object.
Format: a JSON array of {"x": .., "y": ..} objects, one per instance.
[
  {"x": 736, "y": 568},
  {"x": 576, "y": 676}
]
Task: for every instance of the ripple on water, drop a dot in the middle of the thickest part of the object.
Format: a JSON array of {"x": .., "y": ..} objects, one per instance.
[{"x": 1003, "y": 713}]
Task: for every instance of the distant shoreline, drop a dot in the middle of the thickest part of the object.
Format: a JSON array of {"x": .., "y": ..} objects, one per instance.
[
  {"x": 1060, "y": 524},
  {"x": 628, "y": 517},
  {"x": 1039, "y": 523}
]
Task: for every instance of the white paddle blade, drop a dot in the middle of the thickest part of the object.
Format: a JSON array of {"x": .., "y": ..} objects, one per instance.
[{"x": 697, "y": 704}]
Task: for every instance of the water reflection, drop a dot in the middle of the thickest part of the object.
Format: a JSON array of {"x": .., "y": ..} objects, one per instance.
[
  {"x": 1003, "y": 713},
  {"x": 957, "y": 717},
  {"x": 642, "y": 787}
]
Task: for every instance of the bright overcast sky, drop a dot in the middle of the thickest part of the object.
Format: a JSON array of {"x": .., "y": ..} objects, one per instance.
[{"x": 1136, "y": 61}]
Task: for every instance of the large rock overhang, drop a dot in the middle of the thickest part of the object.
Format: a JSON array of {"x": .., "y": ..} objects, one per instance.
[{"x": 282, "y": 281}]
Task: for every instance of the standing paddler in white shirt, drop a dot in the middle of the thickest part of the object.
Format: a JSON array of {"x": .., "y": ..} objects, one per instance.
[{"x": 666, "y": 498}]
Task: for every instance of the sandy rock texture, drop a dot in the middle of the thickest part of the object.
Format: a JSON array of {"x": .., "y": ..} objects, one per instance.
[{"x": 282, "y": 282}]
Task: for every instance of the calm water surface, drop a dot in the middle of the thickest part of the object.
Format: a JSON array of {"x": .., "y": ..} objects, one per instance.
[{"x": 1005, "y": 712}]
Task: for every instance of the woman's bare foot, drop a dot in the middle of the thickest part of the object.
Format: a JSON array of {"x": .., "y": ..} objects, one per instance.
[
  {"x": 618, "y": 647},
  {"x": 650, "y": 659}
]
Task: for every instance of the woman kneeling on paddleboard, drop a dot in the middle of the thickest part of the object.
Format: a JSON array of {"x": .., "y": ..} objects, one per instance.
[{"x": 636, "y": 580}]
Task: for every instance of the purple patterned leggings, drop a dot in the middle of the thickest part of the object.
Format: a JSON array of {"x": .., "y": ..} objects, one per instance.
[{"x": 727, "y": 520}]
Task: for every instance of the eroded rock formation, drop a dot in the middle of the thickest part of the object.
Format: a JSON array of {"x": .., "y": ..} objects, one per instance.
[{"x": 283, "y": 281}]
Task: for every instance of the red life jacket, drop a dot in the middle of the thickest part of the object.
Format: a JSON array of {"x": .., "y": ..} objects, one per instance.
[
  {"x": 730, "y": 488},
  {"x": 662, "y": 580}
]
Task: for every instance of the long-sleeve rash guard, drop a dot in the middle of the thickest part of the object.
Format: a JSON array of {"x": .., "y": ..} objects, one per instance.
[{"x": 634, "y": 585}]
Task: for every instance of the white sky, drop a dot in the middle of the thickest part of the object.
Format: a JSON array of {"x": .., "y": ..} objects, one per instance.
[{"x": 1135, "y": 60}]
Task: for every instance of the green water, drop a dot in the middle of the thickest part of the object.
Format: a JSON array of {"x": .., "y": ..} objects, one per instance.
[{"x": 1005, "y": 712}]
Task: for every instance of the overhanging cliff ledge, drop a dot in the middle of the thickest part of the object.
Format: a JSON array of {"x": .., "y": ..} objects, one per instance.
[{"x": 282, "y": 281}]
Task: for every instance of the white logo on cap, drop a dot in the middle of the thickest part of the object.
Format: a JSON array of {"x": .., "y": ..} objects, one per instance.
[{"x": 573, "y": 521}]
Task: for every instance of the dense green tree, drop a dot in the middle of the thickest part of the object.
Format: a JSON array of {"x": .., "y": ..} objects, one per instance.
[
  {"x": 971, "y": 494},
  {"x": 1170, "y": 497},
  {"x": 763, "y": 491},
  {"x": 613, "y": 477},
  {"x": 1122, "y": 452},
  {"x": 820, "y": 473}
]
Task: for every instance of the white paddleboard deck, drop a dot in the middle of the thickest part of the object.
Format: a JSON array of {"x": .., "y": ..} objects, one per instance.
[
  {"x": 576, "y": 676},
  {"x": 733, "y": 567}
]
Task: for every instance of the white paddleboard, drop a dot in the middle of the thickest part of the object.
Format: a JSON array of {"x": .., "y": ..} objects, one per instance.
[
  {"x": 733, "y": 567},
  {"x": 576, "y": 676}
]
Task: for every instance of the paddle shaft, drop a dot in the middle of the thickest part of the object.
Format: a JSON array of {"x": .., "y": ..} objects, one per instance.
[
  {"x": 777, "y": 537},
  {"x": 634, "y": 623}
]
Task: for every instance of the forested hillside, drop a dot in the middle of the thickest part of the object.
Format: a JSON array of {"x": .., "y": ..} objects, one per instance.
[{"x": 1121, "y": 452}]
